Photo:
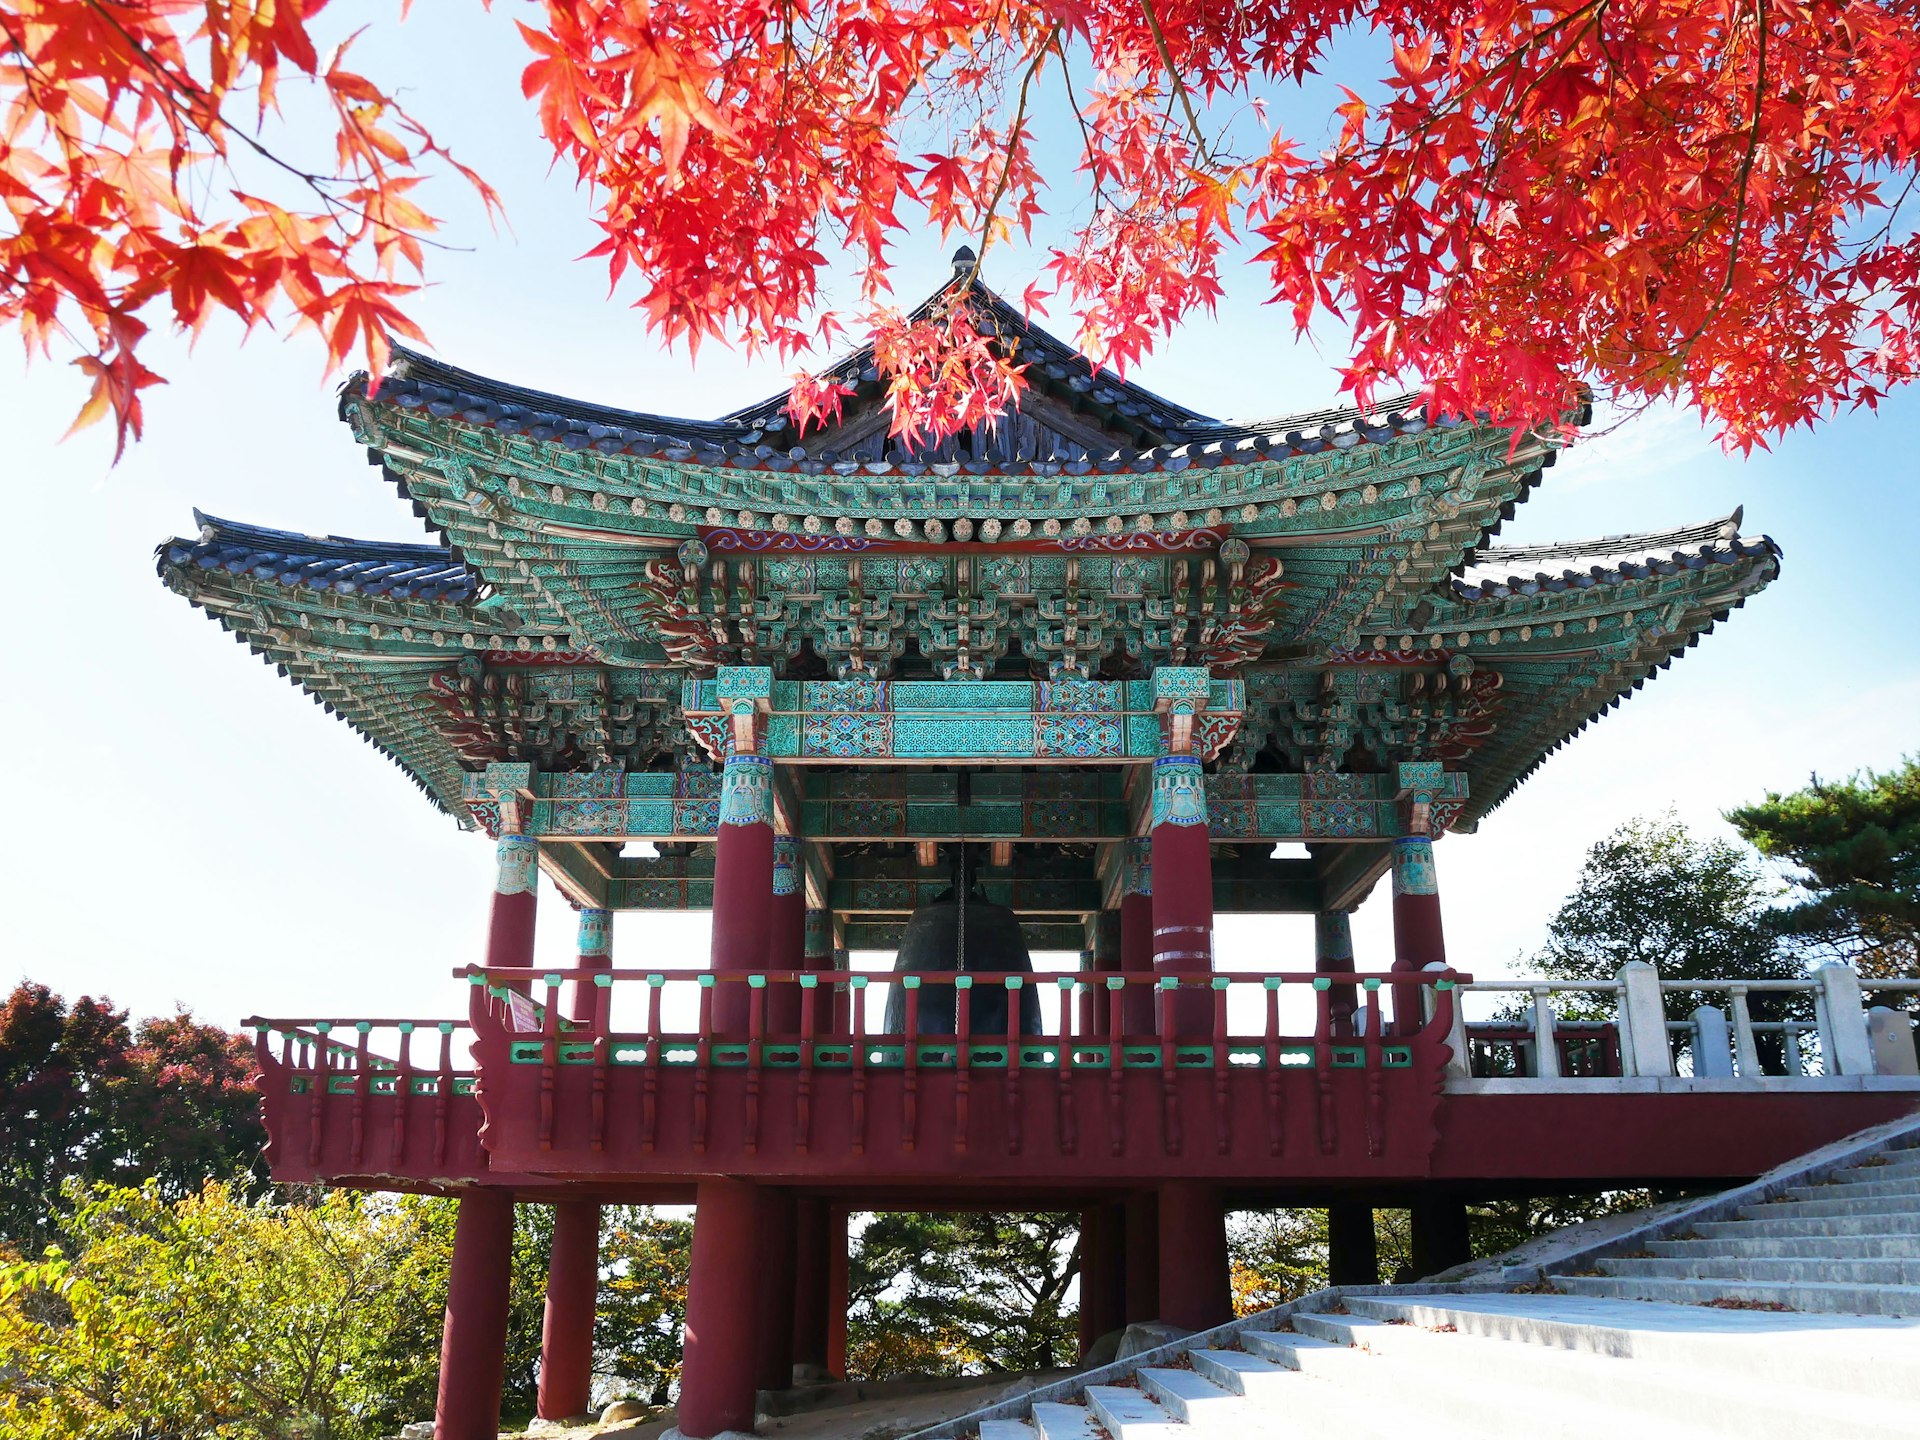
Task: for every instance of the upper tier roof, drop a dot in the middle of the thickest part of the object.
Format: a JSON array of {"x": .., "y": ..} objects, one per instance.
[{"x": 1075, "y": 418}]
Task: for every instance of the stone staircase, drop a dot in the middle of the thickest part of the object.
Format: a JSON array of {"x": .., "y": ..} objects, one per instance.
[
  {"x": 1785, "y": 1308},
  {"x": 1849, "y": 1245}
]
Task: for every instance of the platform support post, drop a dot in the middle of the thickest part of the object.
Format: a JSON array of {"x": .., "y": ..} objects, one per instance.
[
  {"x": 1103, "y": 1263},
  {"x": 1142, "y": 1223},
  {"x": 837, "y": 1218},
  {"x": 566, "y": 1334},
  {"x": 1136, "y": 938},
  {"x": 1333, "y": 955},
  {"x": 473, "y": 1343},
  {"x": 1353, "y": 1250},
  {"x": 1195, "y": 1291},
  {"x": 811, "y": 1263},
  {"x": 717, "y": 1370},
  {"x": 774, "y": 1293},
  {"x": 1441, "y": 1236}
]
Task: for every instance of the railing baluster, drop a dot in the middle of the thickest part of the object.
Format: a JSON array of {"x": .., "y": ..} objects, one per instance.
[
  {"x": 1546, "y": 1052},
  {"x": 1746, "y": 1053}
]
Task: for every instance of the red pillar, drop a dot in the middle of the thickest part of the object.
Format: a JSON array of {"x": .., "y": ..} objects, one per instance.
[
  {"x": 1333, "y": 955},
  {"x": 595, "y": 951},
  {"x": 717, "y": 1366},
  {"x": 1102, "y": 1273},
  {"x": 1095, "y": 1005},
  {"x": 1142, "y": 1225},
  {"x": 837, "y": 1218},
  {"x": 515, "y": 892},
  {"x": 1136, "y": 938},
  {"x": 844, "y": 995},
  {"x": 1195, "y": 1290},
  {"x": 742, "y": 884},
  {"x": 1182, "y": 891},
  {"x": 1417, "y": 938},
  {"x": 773, "y": 1330},
  {"x": 787, "y": 937},
  {"x": 473, "y": 1344},
  {"x": 566, "y": 1337},
  {"x": 811, "y": 1264}
]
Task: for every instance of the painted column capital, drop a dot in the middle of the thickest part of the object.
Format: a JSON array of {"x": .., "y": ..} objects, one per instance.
[
  {"x": 1413, "y": 872},
  {"x": 1333, "y": 939},
  {"x": 745, "y": 693},
  {"x": 1180, "y": 692},
  {"x": 819, "y": 933},
  {"x": 1179, "y": 791},
  {"x": 746, "y": 790},
  {"x": 596, "y": 934},
  {"x": 786, "y": 865},
  {"x": 517, "y": 864}
]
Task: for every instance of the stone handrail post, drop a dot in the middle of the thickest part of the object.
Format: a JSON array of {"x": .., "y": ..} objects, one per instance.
[
  {"x": 1843, "y": 1021},
  {"x": 1890, "y": 1033},
  {"x": 1643, "y": 1014},
  {"x": 1546, "y": 1054},
  {"x": 1712, "y": 1045}
]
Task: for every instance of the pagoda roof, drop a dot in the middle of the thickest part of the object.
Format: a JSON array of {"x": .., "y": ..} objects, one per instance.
[
  {"x": 1496, "y": 572},
  {"x": 1122, "y": 427},
  {"x": 325, "y": 562}
]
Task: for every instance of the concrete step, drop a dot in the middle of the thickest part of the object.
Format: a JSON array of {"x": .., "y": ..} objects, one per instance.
[
  {"x": 1892, "y": 1170},
  {"x": 1848, "y": 1188},
  {"x": 1130, "y": 1414},
  {"x": 1850, "y": 1271},
  {"x": 1567, "y": 1395},
  {"x": 1805, "y": 1295},
  {"x": 1007, "y": 1430},
  {"x": 1849, "y": 1355},
  {"x": 1259, "y": 1380},
  {"x": 1822, "y": 1225},
  {"x": 1195, "y": 1400},
  {"x": 1297, "y": 1350},
  {"x": 1796, "y": 1247},
  {"x": 1828, "y": 1209},
  {"x": 1056, "y": 1421}
]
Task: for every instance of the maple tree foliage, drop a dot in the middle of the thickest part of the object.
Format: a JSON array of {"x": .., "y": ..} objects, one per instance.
[
  {"x": 1687, "y": 200},
  {"x": 1695, "y": 200},
  {"x": 138, "y": 185}
]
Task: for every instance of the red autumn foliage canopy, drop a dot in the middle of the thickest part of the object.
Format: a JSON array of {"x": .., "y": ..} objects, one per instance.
[{"x": 1690, "y": 200}]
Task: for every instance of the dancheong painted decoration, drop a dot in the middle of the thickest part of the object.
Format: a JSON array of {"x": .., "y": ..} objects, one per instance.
[{"x": 1061, "y": 683}]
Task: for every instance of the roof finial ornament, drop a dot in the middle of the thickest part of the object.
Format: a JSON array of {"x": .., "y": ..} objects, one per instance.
[{"x": 964, "y": 260}]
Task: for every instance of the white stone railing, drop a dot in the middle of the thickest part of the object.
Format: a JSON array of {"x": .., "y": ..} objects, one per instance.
[{"x": 1809, "y": 1029}]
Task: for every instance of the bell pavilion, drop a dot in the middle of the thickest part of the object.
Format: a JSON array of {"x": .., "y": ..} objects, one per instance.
[{"x": 1069, "y": 681}]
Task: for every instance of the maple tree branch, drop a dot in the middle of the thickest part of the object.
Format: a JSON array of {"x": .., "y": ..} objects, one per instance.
[
  {"x": 1086, "y": 135},
  {"x": 1013, "y": 141},
  {"x": 1201, "y": 148}
]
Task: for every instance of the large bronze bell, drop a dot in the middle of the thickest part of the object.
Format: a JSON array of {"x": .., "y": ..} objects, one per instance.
[{"x": 961, "y": 930}]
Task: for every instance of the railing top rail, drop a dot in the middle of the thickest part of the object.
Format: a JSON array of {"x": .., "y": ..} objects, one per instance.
[
  {"x": 1807, "y": 984},
  {"x": 1906, "y": 986},
  {"x": 334, "y": 1024},
  {"x": 1595, "y": 986},
  {"x": 553, "y": 975}
]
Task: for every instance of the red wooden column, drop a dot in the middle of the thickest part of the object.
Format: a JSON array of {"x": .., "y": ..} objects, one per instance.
[
  {"x": 742, "y": 884},
  {"x": 1103, "y": 1250},
  {"x": 774, "y": 1296},
  {"x": 1103, "y": 960},
  {"x": 566, "y": 1335},
  {"x": 1333, "y": 955},
  {"x": 1182, "y": 891},
  {"x": 1417, "y": 938},
  {"x": 516, "y": 890},
  {"x": 1195, "y": 1289},
  {"x": 1136, "y": 938},
  {"x": 473, "y": 1344},
  {"x": 1142, "y": 1226},
  {"x": 837, "y": 1218},
  {"x": 573, "y": 1264},
  {"x": 787, "y": 938},
  {"x": 717, "y": 1366},
  {"x": 595, "y": 952},
  {"x": 811, "y": 1265}
]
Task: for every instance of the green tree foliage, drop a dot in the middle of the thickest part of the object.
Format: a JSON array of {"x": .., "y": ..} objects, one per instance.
[
  {"x": 1654, "y": 891},
  {"x": 644, "y": 1261},
  {"x": 962, "y": 1294},
  {"x": 1853, "y": 848},
  {"x": 85, "y": 1097}
]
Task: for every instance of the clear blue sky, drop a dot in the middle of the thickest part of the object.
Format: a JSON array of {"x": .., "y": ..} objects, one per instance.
[{"x": 185, "y": 826}]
